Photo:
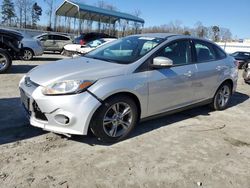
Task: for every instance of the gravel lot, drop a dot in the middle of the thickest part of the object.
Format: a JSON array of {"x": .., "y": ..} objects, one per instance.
[{"x": 194, "y": 148}]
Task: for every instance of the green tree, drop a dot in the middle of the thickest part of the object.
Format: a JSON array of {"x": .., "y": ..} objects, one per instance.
[
  {"x": 216, "y": 31},
  {"x": 35, "y": 14},
  {"x": 8, "y": 11}
]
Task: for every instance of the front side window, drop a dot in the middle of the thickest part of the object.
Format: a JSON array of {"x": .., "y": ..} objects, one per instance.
[
  {"x": 179, "y": 52},
  {"x": 58, "y": 37},
  {"x": 204, "y": 51},
  {"x": 43, "y": 37},
  {"x": 51, "y": 37},
  {"x": 125, "y": 50}
]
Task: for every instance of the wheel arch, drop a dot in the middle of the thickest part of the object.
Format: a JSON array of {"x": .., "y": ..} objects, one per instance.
[
  {"x": 121, "y": 93},
  {"x": 130, "y": 95},
  {"x": 27, "y": 48},
  {"x": 230, "y": 82}
]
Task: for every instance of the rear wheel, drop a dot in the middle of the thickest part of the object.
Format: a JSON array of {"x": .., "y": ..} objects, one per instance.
[
  {"x": 5, "y": 61},
  {"x": 27, "y": 54},
  {"x": 222, "y": 97},
  {"x": 115, "y": 119}
]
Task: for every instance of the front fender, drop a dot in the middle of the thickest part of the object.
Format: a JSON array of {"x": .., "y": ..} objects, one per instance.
[{"x": 135, "y": 84}]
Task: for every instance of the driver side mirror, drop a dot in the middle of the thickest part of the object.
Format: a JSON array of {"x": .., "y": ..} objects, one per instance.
[{"x": 161, "y": 62}]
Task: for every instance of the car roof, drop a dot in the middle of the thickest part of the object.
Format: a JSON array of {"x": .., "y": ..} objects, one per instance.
[
  {"x": 60, "y": 34},
  {"x": 157, "y": 35},
  {"x": 12, "y": 33},
  {"x": 241, "y": 52}
]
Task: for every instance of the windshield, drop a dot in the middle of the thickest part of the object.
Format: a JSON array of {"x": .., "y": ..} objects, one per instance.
[{"x": 125, "y": 50}]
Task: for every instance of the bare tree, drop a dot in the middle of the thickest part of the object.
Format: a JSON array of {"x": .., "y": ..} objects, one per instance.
[
  {"x": 200, "y": 30},
  {"x": 19, "y": 8},
  {"x": 49, "y": 12},
  {"x": 24, "y": 9},
  {"x": 137, "y": 25},
  {"x": 225, "y": 34}
]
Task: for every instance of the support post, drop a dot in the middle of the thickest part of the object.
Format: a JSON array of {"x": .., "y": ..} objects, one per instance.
[
  {"x": 79, "y": 18},
  {"x": 109, "y": 25},
  {"x": 55, "y": 23}
]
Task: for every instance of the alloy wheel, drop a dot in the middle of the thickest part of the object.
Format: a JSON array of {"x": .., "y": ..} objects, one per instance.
[
  {"x": 27, "y": 55},
  {"x": 3, "y": 61},
  {"x": 117, "y": 119},
  {"x": 223, "y": 96}
]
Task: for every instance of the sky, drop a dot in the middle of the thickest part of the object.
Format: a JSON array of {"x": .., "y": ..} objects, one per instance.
[{"x": 231, "y": 14}]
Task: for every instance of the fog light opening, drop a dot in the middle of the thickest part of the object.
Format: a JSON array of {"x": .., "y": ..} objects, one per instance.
[{"x": 62, "y": 119}]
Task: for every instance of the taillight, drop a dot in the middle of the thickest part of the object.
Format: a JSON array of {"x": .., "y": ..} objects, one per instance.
[{"x": 82, "y": 42}]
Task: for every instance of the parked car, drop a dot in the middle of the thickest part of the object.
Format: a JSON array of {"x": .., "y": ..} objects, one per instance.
[
  {"x": 31, "y": 47},
  {"x": 85, "y": 38},
  {"x": 246, "y": 73},
  {"x": 71, "y": 49},
  {"x": 242, "y": 57},
  {"x": 54, "y": 42},
  {"x": 134, "y": 78},
  {"x": 10, "y": 48}
]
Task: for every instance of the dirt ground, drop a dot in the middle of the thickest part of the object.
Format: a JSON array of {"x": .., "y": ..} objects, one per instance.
[{"x": 194, "y": 148}]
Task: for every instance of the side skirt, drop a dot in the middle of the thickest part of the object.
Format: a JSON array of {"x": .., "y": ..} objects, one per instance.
[{"x": 177, "y": 110}]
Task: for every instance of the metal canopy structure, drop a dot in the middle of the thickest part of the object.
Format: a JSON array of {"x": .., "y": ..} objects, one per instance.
[{"x": 82, "y": 11}]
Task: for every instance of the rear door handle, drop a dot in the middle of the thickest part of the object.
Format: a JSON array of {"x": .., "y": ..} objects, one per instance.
[
  {"x": 188, "y": 74},
  {"x": 218, "y": 68}
]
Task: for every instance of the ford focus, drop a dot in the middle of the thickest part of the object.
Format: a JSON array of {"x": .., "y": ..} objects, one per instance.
[{"x": 111, "y": 89}]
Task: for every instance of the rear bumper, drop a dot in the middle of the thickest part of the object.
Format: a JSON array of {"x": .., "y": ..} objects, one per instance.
[
  {"x": 38, "y": 51},
  {"x": 66, "y": 114}
]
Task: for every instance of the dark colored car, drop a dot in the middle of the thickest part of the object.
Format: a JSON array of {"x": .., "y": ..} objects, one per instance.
[
  {"x": 85, "y": 38},
  {"x": 242, "y": 57},
  {"x": 10, "y": 48}
]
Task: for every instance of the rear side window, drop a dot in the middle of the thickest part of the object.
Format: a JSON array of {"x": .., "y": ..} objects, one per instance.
[
  {"x": 220, "y": 54},
  {"x": 204, "y": 51}
]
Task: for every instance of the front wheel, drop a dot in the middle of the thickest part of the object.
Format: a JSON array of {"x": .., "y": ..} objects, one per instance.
[
  {"x": 5, "y": 61},
  {"x": 222, "y": 97},
  {"x": 115, "y": 119}
]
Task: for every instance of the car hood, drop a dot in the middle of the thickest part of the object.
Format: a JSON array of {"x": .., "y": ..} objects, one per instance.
[{"x": 80, "y": 68}]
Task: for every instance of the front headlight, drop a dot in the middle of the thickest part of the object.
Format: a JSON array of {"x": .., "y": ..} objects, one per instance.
[{"x": 67, "y": 87}]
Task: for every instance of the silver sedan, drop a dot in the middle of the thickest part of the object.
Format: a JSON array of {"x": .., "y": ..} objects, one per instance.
[
  {"x": 31, "y": 47},
  {"x": 134, "y": 78}
]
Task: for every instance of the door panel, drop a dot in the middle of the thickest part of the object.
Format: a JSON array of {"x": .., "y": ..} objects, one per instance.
[
  {"x": 170, "y": 88},
  {"x": 209, "y": 70},
  {"x": 207, "y": 79}
]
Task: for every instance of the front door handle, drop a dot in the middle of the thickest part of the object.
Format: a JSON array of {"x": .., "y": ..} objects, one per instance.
[{"x": 188, "y": 74}]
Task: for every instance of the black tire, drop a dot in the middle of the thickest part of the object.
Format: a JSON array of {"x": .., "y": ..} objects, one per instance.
[
  {"x": 217, "y": 103},
  {"x": 27, "y": 54},
  {"x": 5, "y": 61},
  {"x": 100, "y": 130}
]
